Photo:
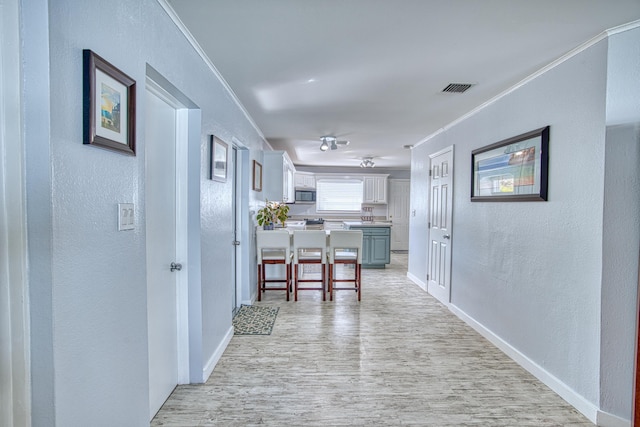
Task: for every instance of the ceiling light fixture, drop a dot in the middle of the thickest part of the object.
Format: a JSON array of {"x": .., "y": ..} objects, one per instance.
[
  {"x": 367, "y": 162},
  {"x": 331, "y": 142},
  {"x": 328, "y": 142}
]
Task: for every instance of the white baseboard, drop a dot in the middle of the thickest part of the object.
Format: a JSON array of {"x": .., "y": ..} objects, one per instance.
[
  {"x": 213, "y": 360},
  {"x": 417, "y": 281},
  {"x": 587, "y": 408},
  {"x": 606, "y": 419}
]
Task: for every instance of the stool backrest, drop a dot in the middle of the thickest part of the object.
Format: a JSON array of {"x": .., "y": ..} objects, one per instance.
[
  {"x": 309, "y": 239},
  {"x": 345, "y": 239},
  {"x": 273, "y": 241}
]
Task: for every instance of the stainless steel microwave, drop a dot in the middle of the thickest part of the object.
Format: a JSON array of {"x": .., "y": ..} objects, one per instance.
[{"x": 305, "y": 195}]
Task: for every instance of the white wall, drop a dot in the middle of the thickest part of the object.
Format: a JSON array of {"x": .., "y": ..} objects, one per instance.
[
  {"x": 621, "y": 233},
  {"x": 419, "y": 215},
  {"x": 15, "y": 393},
  {"x": 88, "y": 281},
  {"x": 621, "y": 228},
  {"x": 36, "y": 116},
  {"x": 530, "y": 272}
]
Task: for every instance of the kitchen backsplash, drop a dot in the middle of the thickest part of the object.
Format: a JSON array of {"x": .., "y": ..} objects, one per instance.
[{"x": 309, "y": 211}]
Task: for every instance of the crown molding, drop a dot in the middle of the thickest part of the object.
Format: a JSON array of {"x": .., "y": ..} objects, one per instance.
[
  {"x": 586, "y": 45},
  {"x": 196, "y": 46}
]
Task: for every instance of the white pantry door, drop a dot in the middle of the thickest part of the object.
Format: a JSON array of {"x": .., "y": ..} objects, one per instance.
[
  {"x": 399, "y": 213},
  {"x": 160, "y": 196},
  {"x": 440, "y": 216}
]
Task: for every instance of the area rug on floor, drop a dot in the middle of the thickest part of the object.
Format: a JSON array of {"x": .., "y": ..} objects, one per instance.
[{"x": 254, "y": 320}]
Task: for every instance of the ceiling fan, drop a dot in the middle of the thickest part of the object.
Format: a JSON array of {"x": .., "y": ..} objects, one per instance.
[{"x": 331, "y": 142}]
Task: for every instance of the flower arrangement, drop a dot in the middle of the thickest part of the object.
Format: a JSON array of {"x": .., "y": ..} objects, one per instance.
[{"x": 272, "y": 213}]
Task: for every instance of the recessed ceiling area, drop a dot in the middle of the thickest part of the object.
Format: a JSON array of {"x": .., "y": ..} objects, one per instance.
[{"x": 373, "y": 71}]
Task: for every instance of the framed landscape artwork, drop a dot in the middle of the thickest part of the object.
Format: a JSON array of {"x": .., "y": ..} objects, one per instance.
[
  {"x": 515, "y": 169},
  {"x": 109, "y": 105}
]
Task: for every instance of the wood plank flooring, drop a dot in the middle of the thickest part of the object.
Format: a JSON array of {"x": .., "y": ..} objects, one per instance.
[{"x": 396, "y": 358}]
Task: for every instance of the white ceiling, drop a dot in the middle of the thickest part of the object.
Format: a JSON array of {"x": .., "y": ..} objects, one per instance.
[{"x": 372, "y": 71}]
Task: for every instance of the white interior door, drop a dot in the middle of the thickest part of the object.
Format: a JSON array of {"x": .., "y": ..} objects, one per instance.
[
  {"x": 160, "y": 195},
  {"x": 440, "y": 216},
  {"x": 399, "y": 214}
]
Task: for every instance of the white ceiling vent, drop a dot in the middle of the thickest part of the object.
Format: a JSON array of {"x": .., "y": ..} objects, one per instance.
[{"x": 457, "y": 87}]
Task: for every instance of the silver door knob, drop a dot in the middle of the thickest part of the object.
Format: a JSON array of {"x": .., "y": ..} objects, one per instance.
[
  {"x": 176, "y": 266},
  {"x": 446, "y": 236},
  {"x": 236, "y": 243}
]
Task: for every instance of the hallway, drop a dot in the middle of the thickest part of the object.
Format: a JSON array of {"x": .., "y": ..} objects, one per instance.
[{"x": 397, "y": 358}]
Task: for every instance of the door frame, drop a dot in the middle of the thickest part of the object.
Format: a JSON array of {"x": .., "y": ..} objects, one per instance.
[
  {"x": 182, "y": 209},
  {"x": 15, "y": 406},
  {"x": 243, "y": 185},
  {"x": 236, "y": 166},
  {"x": 431, "y": 156}
]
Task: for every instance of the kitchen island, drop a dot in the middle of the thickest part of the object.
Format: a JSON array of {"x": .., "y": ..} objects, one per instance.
[{"x": 376, "y": 242}]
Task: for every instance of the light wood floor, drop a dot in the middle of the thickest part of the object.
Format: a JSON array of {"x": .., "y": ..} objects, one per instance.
[{"x": 397, "y": 358}]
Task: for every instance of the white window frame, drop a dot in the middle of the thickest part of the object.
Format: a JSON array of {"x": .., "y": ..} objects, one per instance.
[{"x": 338, "y": 180}]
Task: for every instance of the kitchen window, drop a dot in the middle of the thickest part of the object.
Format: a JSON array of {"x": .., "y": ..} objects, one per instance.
[{"x": 342, "y": 195}]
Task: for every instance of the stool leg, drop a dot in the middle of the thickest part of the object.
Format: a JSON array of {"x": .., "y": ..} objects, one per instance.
[
  {"x": 295, "y": 281},
  {"x": 323, "y": 277},
  {"x": 288, "y": 284},
  {"x": 359, "y": 280},
  {"x": 259, "y": 281},
  {"x": 330, "y": 282}
]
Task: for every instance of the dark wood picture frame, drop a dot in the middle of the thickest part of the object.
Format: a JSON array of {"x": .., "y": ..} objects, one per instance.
[
  {"x": 218, "y": 155},
  {"x": 257, "y": 176},
  {"x": 512, "y": 170},
  {"x": 109, "y": 105}
]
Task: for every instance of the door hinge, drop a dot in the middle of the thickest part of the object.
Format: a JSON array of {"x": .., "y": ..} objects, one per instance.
[
  {"x": 429, "y": 226},
  {"x": 427, "y": 277},
  {"x": 429, "y": 172}
]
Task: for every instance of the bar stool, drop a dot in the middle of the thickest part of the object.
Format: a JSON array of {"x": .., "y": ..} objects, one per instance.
[
  {"x": 309, "y": 247},
  {"x": 273, "y": 247},
  {"x": 345, "y": 248}
]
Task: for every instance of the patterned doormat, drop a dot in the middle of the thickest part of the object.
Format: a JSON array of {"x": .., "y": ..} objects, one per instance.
[{"x": 254, "y": 320}]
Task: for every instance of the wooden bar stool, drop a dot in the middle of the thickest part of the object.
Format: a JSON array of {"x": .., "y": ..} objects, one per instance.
[
  {"x": 273, "y": 247},
  {"x": 345, "y": 248},
  {"x": 309, "y": 248}
]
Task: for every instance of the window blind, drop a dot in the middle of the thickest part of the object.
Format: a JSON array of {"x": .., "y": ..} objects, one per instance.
[{"x": 343, "y": 195}]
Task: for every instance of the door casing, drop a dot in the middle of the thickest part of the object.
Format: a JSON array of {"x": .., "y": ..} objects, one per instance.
[{"x": 399, "y": 213}]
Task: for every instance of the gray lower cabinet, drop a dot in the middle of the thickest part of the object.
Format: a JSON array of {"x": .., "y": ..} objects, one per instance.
[{"x": 376, "y": 246}]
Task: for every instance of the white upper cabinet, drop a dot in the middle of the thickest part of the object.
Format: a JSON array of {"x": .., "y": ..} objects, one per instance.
[
  {"x": 278, "y": 177},
  {"x": 305, "y": 180},
  {"x": 375, "y": 189}
]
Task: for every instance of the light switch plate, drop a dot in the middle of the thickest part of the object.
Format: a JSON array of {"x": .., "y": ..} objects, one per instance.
[{"x": 126, "y": 216}]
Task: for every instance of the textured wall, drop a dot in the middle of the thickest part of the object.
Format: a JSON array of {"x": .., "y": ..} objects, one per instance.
[
  {"x": 530, "y": 272},
  {"x": 94, "y": 299},
  {"x": 36, "y": 120},
  {"x": 621, "y": 228},
  {"x": 419, "y": 213}
]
